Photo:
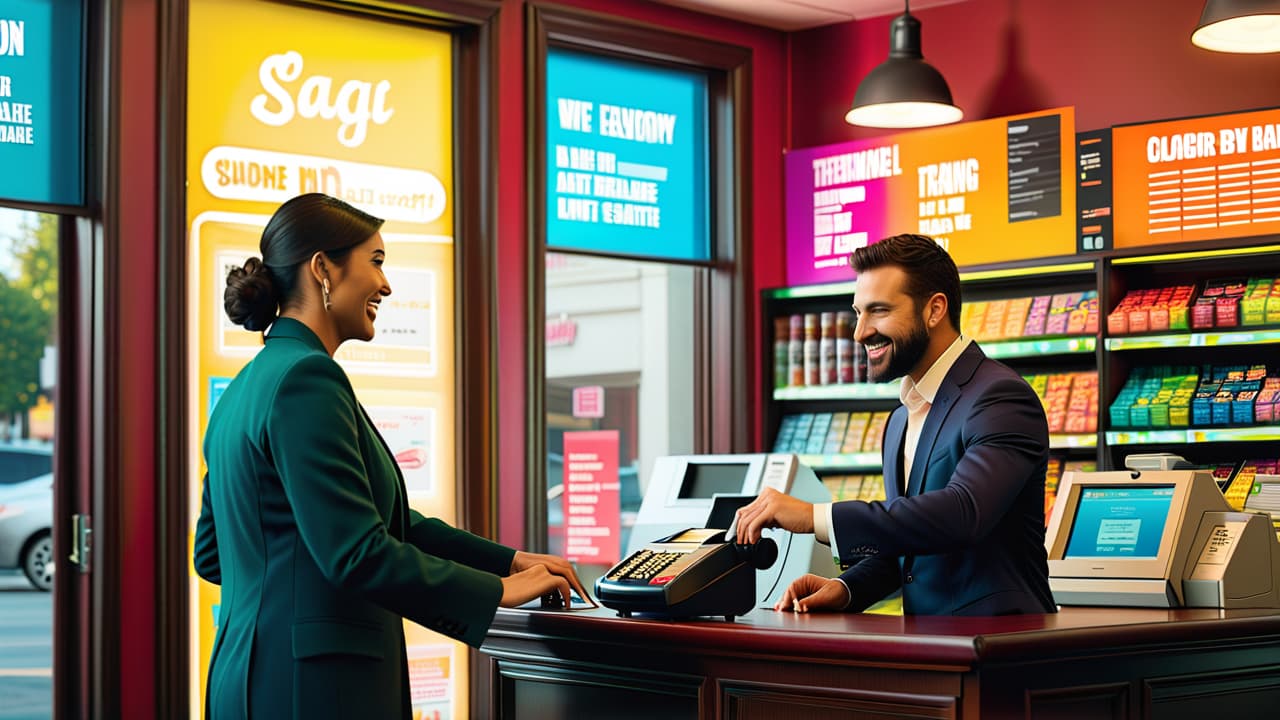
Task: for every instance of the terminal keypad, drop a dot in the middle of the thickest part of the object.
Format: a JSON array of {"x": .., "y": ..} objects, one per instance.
[{"x": 645, "y": 565}]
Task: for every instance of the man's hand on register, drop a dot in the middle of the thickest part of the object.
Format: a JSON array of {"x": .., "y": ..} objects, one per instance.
[{"x": 770, "y": 509}]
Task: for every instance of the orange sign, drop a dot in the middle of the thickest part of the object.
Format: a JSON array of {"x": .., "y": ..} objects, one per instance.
[
  {"x": 989, "y": 191},
  {"x": 1197, "y": 179}
]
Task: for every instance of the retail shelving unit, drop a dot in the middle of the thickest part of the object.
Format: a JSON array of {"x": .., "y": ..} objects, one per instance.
[{"x": 1112, "y": 356}]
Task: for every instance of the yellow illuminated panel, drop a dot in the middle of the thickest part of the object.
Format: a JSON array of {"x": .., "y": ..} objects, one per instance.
[{"x": 283, "y": 100}]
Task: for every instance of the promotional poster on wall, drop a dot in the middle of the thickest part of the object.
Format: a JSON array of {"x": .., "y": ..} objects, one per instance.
[{"x": 287, "y": 99}]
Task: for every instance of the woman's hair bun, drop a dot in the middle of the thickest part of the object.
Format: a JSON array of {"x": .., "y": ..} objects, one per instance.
[{"x": 250, "y": 298}]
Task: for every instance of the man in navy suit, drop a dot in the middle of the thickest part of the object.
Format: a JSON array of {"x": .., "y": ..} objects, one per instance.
[{"x": 961, "y": 531}]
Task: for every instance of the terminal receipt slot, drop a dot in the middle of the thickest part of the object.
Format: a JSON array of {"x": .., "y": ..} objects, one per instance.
[
  {"x": 692, "y": 492},
  {"x": 1158, "y": 539}
]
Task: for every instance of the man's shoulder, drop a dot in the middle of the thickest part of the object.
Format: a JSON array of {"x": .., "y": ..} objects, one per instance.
[{"x": 991, "y": 373}]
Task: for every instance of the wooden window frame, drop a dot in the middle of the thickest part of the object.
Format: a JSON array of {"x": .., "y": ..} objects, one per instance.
[{"x": 720, "y": 295}]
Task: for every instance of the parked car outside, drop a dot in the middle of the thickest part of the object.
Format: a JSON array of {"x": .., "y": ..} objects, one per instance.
[{"x": 26, "y": 512}]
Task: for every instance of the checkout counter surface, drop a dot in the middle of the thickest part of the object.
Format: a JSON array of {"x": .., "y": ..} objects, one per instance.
[{"x": 1080, "y": 662}]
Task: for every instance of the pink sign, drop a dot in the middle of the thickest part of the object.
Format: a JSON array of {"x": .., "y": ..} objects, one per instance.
[
  {"x": 561, "y": 331},
  {"x": 588, "y": 401},
  {"x": 592, "y": 509}
]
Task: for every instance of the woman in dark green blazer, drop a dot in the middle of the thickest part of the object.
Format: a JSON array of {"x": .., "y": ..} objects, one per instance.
[{"x": 304, "y": 521}]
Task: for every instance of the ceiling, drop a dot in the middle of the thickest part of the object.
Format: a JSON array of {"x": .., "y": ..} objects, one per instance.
[{"x": 790, "y": 15}]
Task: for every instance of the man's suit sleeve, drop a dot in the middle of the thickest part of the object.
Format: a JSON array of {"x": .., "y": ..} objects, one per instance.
[
  {"x": 871, "y": 581},
  {"x": 431, "y": 535},
  {"x": 205, "y": 552},
  {"x": 312, "y": 436},
  {"x": 1005, "y": 440}
]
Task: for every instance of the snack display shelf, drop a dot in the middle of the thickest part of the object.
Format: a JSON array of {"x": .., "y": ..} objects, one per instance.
[
  {"x": 843, "y": 461},
  {"x": 1058, "y": 441},
  {"x": 1194, "y": 435},
  {"x": 1216, "y": 338},
  {"x": 1031, "y": 347},
  {"x": 853, "y": 391}
]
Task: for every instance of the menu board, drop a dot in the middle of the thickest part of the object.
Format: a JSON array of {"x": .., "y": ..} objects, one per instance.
[
  {"x": 988, "y": 191},
  {"x": 285, "y": 100},
  {"x": 626, "y": 157},
  {"x": 42, "y": 139},
  {"x": 1196, "y": 179},
  {"x": 1094, "y": 219}
]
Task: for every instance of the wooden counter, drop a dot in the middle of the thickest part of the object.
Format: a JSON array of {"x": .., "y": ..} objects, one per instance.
[{"x": 1082, "y": 663}]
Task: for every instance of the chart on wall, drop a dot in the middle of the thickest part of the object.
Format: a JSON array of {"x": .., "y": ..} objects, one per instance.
[
  {"x": 990, "y": 191},
  {"x": 1197, "y": 179},
  {"x": 285, "y": 100}
]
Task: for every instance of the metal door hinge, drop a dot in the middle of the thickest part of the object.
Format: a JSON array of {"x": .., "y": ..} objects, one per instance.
[{"x": 81, "y": 541}]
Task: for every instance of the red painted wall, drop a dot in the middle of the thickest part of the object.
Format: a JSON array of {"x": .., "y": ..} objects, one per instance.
[
  {"x": 765, "y": 212},
  {"x": 132, "y": 240},
  {"x": 1116, "y": 62}
]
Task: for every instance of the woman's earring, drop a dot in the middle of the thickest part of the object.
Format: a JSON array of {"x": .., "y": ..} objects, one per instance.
[{"x": 324, "y": 288}]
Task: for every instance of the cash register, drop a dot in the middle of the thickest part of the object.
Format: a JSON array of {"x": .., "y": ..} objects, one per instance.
[
  {"x": 1162, "y": 537},
  {"x": 681, "y": 561}
]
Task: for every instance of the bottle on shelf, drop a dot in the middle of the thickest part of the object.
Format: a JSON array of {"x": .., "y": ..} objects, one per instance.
[
  {"x": 844, "y": 347},
  {"x": 827, "y": 349},
  {"x": 781, "y": 351},
  {"x": 811, "y": 355},
  {"x": 795, "y": 352}
]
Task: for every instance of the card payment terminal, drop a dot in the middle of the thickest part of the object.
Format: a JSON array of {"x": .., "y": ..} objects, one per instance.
[{"x": 693, "y": 572}]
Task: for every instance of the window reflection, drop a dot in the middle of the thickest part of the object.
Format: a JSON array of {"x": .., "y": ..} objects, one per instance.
[{"x": 619, "y": 379}]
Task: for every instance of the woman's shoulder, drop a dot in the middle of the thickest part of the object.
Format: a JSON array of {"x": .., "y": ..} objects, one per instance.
[{"x": 290, "y": 364}]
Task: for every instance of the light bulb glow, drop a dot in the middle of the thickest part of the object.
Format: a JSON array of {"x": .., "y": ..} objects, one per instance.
[
  {"x": 1247, "y": 34},
  {"x": 904, "y": 115}
]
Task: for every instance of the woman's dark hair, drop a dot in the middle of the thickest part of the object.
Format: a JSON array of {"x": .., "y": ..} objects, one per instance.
[
  {"x": 928, "y": 267},
  {"x": 299, "y": 229}
]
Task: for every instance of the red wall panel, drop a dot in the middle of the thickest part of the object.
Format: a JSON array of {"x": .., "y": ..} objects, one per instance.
[{"x": 1116, "y": 62}]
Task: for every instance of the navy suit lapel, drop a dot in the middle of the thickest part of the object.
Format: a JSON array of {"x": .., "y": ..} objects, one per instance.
[
  {"x": 960, "y": 374},
  {"x": 894, "y": 434}
]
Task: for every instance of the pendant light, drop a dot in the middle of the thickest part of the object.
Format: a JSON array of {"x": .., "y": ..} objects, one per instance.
[
  {"x": 1239, "y": 26},
  {"x": 903, "y": 91}
]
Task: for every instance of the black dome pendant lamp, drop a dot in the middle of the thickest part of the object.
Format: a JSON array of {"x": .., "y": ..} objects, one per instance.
[
  {"x": 1239, "y": 26},
  {"x": 903, "y": 91}
]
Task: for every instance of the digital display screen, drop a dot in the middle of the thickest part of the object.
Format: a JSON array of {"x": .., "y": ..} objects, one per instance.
[
  {"x": 1119, "y": 522},
  {"x": 705, "y": 480}
]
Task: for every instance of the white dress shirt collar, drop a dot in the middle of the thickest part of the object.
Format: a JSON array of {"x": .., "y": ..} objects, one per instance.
[{"x": 912, "y": 392}]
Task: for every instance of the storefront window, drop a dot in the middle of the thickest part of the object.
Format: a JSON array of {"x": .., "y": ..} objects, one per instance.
[
  {"x": 640, "y": 286},
  {"x": 28, "y": 358},
  {"x": 619, "y": 393}
]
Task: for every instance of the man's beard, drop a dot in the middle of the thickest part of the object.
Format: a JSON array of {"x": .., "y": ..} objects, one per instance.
[{"x": 903, "y": 354}]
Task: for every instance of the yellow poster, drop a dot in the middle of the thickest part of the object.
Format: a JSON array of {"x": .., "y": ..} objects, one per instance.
[{"x": 284, "y": 100}]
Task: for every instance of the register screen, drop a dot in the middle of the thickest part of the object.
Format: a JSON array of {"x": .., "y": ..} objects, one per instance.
[
  {"x": 704, "y": 480},
  {"x": 1119, "y": 522}
]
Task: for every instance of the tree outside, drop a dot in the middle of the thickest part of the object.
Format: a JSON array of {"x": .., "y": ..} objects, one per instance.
[{"x": 28, "y": 313}]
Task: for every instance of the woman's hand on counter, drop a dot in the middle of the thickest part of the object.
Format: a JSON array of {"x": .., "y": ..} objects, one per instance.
[{"x": 555, "y": 565}]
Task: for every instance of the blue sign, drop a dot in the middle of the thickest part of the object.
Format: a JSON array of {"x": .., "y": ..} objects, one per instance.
[
  {"x": 42, "y": 140},
  {"x": 217, "y": 386},
  {"x": 626, "y": 158}
]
